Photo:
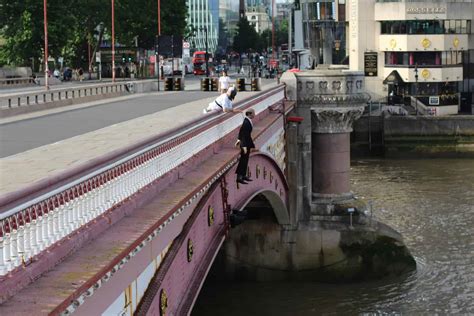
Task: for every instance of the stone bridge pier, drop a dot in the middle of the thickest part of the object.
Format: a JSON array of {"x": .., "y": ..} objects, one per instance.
[{"x": 329, "y": 100}]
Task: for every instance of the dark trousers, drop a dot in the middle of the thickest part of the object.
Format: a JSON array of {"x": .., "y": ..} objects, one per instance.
[{"x": 243, "y": 163}]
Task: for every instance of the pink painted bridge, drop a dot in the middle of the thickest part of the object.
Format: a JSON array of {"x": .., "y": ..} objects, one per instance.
[{"x": 136, "y": 230}]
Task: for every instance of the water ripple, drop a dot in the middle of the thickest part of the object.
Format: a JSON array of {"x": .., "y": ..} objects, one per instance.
[{"x": 431, "y": 202}]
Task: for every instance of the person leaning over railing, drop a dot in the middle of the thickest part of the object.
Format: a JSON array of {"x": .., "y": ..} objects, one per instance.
[{"x": 223, "y": 102}]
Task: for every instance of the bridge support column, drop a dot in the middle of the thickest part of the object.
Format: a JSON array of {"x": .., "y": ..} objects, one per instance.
[{"x": 330, "y": 148}]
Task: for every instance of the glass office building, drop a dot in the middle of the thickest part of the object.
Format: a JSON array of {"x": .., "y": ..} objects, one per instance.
[{"x": 203, "y": 16}]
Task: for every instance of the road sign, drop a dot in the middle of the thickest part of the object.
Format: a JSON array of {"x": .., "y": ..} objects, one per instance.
[
  {"x": 433, "y": 100},
  {"x": 97, "y": 57},
  {"x": 186, "y": 45}
]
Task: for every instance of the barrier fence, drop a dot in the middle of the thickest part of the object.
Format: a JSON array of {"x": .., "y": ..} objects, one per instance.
[{"x": 44, "y": 97}]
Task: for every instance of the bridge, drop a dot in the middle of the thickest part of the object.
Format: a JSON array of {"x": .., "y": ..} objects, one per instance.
[{"x": 129, "y": 218}]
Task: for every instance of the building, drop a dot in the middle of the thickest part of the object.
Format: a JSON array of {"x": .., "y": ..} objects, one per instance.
[
  {"x": 324, "y": 31},
  {"x": 258, "y": 17},
  {"x": 418, "y": 50},
  {"x": 203, "y": 17},
  {"x": 229, "y": 14},
  {"x": 283, "y": 10},
  {"x": 415, "y": 52}
]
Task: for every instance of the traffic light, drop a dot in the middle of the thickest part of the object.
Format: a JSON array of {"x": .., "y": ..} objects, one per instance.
[
  {"x": 129, "y": 58},
  {"x": 205, "y": 84},
  {"x": 255, "y": 86},
  {"x": 123, "y": 58},
  {"x": 214, "y": 84},
  {"x": 169, "y": 84},
  {"x": 240, "y": 84},
  {"x": 177, "y": 84}
]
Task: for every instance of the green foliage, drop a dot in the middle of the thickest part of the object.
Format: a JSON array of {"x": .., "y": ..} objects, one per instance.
[
  {"x": 72, "y": 24},
  {"x": 247, "y": 39}
]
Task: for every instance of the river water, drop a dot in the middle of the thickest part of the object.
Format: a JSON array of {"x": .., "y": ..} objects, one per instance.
[{"x": 431, "y": 202}]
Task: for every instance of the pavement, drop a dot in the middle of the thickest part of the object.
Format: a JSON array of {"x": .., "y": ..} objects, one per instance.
[
  {"x": 24, "y": 168},
  {"x": 37, "y": 129}
]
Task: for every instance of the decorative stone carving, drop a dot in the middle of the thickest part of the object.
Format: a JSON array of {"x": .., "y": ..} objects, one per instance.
[
  {"x": 335, "y": 100},
  {"x": 334, "y": 120},
  {"x": 309, "y": 85},
  {"x": 349, "y": 84},
  {"x": 336, "y": 85},
  {"x": 323, "y": 86}
]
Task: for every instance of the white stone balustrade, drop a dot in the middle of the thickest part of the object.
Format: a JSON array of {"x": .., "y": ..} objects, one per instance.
[{"x": 30, "y": 228}]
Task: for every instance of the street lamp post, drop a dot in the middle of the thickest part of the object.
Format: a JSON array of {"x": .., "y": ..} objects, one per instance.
[
  {"x": 204, "y": 28},
  {"x": 416, "y": 89},
  {"x": 157, "y": 57},
  {"x": 159, "y": 17},
  {"x": 46, "y": 69},
  {"x": 113, "y": 42}
]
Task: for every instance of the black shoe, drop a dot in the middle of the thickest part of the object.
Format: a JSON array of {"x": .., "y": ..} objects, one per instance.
[
  {"x": 241, "y": 181},
  {"x": 247, "y": 179}
]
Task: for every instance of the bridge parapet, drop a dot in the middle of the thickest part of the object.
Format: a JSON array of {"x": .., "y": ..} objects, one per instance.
[
  {"x": 21, "y": 102},
  {"x": 37, "y": 222}
]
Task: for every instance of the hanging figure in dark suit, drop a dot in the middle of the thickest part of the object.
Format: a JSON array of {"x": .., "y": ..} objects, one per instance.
[{"x": 246, "y": 144}]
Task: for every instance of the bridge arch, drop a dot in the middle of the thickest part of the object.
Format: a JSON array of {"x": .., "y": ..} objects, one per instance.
[
  {"x": 278, "y": 206},
  {"x": 182, "y": 274}
]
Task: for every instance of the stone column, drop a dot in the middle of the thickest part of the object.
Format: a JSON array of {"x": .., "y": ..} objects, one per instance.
[{"x": 330, "y": 141}]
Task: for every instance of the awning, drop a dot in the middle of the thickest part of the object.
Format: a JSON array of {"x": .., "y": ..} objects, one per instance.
[{"x": 393, "y": 78}]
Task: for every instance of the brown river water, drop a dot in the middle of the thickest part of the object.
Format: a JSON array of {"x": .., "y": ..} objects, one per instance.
[{"x": 429, "y": 201}]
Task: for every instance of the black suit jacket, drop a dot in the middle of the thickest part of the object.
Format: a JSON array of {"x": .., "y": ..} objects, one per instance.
[{"x": 245, "y": 134}]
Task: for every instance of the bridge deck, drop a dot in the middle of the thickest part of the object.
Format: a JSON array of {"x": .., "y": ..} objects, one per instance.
[
  {"x": 46, "y": 161},
  {"x": 78, "y": 272}
]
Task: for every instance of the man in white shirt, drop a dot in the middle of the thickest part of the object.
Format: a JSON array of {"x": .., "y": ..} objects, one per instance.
[
  {"x": 223, "y": 102},
  {"x": 224, "y": 82}
]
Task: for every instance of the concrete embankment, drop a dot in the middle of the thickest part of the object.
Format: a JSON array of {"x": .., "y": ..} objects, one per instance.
[{"x": 415, "y": 136}]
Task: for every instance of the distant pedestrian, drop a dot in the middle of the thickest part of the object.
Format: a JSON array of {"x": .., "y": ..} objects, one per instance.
[
  {"x": 224, "y": 82},
  {"x": 80, "y": 72},
  {"x": 246, "y": 144},
  {"x": 56, "y": 73},
  {"x": 223, "y": 102}
]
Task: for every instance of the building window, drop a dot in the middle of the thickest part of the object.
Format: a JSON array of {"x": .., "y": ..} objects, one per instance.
[
  {"x": 426, "y": 27},
  {"x": 429, "y": 59}
]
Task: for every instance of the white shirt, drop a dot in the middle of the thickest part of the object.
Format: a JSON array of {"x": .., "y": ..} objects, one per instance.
[
  {"x": 224, "y": 82},
  {"x": 224, "y": 102}
]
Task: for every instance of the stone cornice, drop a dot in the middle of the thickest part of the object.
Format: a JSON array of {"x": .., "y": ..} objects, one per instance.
[{"x": 334, "y": 120}]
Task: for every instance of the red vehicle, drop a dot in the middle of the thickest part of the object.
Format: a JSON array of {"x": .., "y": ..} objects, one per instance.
[{"x": 199, "y": 62}]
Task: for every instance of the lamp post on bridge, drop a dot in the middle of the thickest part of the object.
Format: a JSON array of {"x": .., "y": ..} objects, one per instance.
[
  {"x": 46, "y": 69},
  {"x": 204, "y": 28},
  {"x": 113, "y": 41},
  {"x": 157, "y": 57}
]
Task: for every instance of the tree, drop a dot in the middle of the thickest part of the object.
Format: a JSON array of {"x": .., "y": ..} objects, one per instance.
[
  {"x": 281, "y": 33},
  {"x": 247, "y": 38},
  {"x": 71, "y": 30}
]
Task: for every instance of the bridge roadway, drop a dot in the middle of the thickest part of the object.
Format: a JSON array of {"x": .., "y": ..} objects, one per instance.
[
  {"x": 35, "y": 131},
  {"x": 25, "y": 168},
  {"x": 69, "y": 138}
]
